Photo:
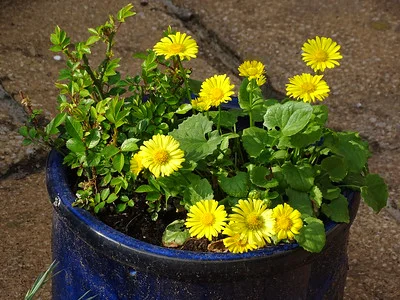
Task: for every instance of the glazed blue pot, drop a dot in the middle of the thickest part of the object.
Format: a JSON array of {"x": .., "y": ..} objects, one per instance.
[{"x": 96, "y": 260}]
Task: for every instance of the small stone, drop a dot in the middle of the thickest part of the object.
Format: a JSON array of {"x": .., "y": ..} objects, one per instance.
[
  {"x": 57, "y": 57},
  {"x": 31, "y": 51}
]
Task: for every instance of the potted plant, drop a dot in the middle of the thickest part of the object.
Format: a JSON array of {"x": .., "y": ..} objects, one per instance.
[{"x": 165, "y": 187}]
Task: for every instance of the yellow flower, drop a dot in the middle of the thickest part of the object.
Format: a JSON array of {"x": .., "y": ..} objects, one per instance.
[
  {"x": 235, "y": 243},
  {"x": 177, "y": 44},
  {"x": 136, "y": 164},
  {"x": 217, "y": 89},
  {"x": 307, "y": 87},
  {"x": 321, "y": 53},
  {"x": 251, "y": 69},
  {"x": 288, "y": 221},
  {"x": 253, "y": 220},
  {"x": 206, "y": 218},
  {"x": 161, "y": 155},
  {"x": 201, "y": 104},
  {"x": 261, "y": 80}
]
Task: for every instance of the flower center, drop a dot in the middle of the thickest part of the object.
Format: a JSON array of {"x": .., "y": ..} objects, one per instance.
[
  {"x": 252, "y": 71},
  {"x": 161, "y": 157},
  {"x": 207, "y": 219},
  {"x": 176, "y": 48},
  {"x": 284, "y": 223},
  {"x": 253, "y": 220},
  {"x": 216, "y": 94},
  {"x": 321, "y": 56},
  {"x": 308, "y": 87}
]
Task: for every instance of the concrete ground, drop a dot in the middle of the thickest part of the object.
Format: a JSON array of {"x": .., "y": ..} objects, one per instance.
[{"x": 365, "y": 97}]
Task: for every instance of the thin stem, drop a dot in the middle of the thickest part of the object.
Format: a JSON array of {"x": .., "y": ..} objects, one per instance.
[
  {"x": 185, "y": 79},
  {"x": 219, "y": 119}
]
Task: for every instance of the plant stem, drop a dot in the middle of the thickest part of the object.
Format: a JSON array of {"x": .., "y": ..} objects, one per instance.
[
  {"x": 219, "y": 119},
  {"x": 185, "y": 79},
  {"x": 250, "y": 111}
]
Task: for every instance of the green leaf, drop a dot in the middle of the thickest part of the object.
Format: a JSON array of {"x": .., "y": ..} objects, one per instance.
[
  {"x": 145, "y": 189},
  {"x": 255, "y": 140},
  {"x": 290, "y": 117},
  {"x": 300, "y": 201},
  {"x": 76, "y": 145},
  {"x": 118, "y": 162},
  {"x": 228, "y": 118},
  {"x": 375, "y": 192},
  {"x": 312, "y": 236},
  {"x": 92, "y": 39},
  {"x": 337, "y": 210},
  {"x": 93, "y": 159},
  {"x": 74, "y": 128},
  {"x": 183, "y": 109},
  {"x": 237, "y": 186},
  {"x": 112, "y": 198},
  {"x": 310, "y": 134},
  {"x": 52, "y": 127},
  {"x": 328, "y": 190},
  {"x": 175, "y": 234},
  {"x": 335, "y": 167},
  {"x": 125, "y": 12},
  {"x": 129, "y": 145},
  {"x": 191, "y": 136},
  {"x": 109, "y": 151},
  {"x": 350, "y": 147},
  {"x": 299, "y": 177},
  {"x": 104, "y": 194},
  {"x": 316, "y": 195},
  {"x": 199, "y": 189},
  {"x": 252, "y": 102},
  {"x": 258, "y": 175},
  {"x": 93, "y": 138},
  {"x": 195, "y": 85}
]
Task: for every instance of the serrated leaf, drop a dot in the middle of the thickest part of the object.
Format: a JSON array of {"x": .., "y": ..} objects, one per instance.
[
  {"x": 316, "y": 195},
  {"x": 375, "y": 192},
  {"x": 337, "y": 210},
  {"x": 300, "y": 201},
  {"x": 290, "y": 117},
  {"x": 175, "y": 234},
  {"x": 191, "y": 136},
  {"x": 350, "y": 147},
  {"x": 335, "y": 167},
  {"x": 237, "y": 186},
  {"x": 312, "y": 236},
  {"x": 228, "y": 118},
  {"x": 118, "y": 162},
  {"x": 255, "y": 140},
  {"x": 310, "y": 134},
  {"x": 299, "y": 177},
  {"x": 258, "y": 175},
  {"x": 199, "y": 189}
]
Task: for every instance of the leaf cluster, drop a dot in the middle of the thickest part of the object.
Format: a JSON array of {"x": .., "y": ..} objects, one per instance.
[{"x": 280, "y": 152}]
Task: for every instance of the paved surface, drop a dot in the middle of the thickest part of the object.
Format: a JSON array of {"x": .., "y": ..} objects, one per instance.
[{"x": 365, "y": 97}]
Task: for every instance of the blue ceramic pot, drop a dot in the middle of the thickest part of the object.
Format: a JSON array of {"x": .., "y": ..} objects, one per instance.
[{"x": 95, "y": 259}]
